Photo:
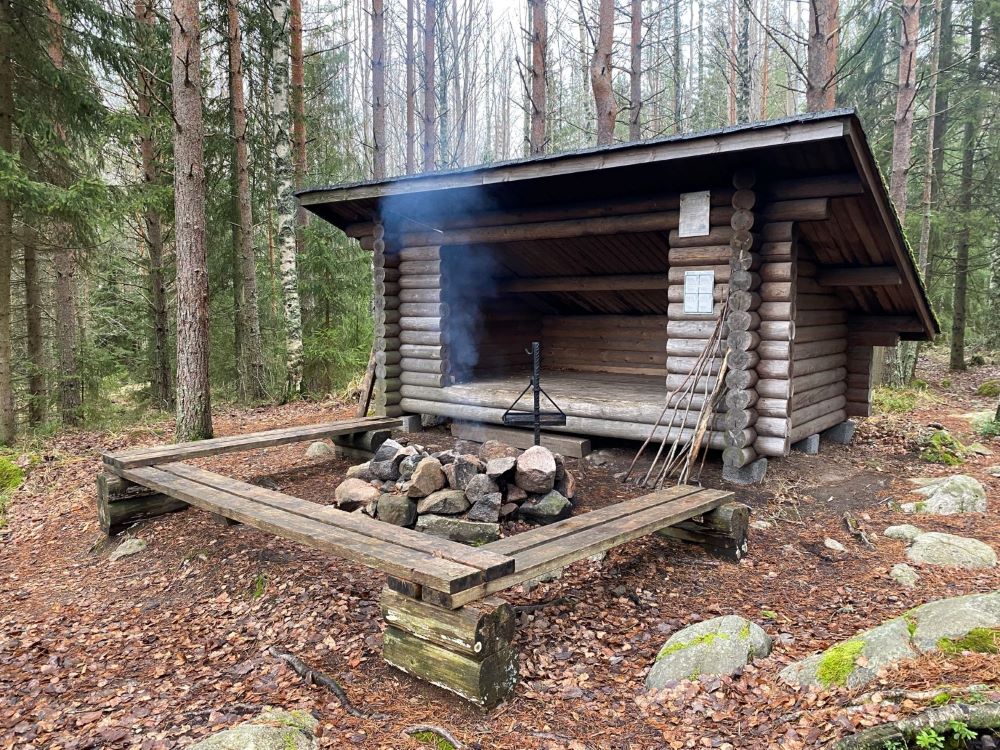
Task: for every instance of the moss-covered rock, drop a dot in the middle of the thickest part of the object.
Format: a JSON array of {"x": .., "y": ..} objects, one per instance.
[
  {"x": 951, "y": 551},
  {"x": 273, "y": 729},
  {"x": 989, "y": 389},
  {"x": 950, "y": 495},
  {"x": 11, "y": 475},
  {"x": 940, "y": 447},
  {"x": 720, "y": 646}
]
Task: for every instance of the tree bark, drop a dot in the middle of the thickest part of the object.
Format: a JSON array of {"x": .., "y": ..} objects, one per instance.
[
  {"x": 928, "y": 194},
  {"x": 194, "y": 408},
  {"x": 411, "y": 92},
  {"x": 744, "y": 72},
  {"x": 601, "y": 74},
  {"x": 959, "y": 301},
  {"x": 249, "y": 353},
  {"x": 8, "y": 421},
  {"x": 635, "y": 73},
  {"x": 160, "y": 377},
  {"x": 823, "y": 47},
  {"x": 378, "y": 89},
  {"x": 539, "y": 49},
  {"x": 285, "y": 206},
  {"x": 33, "y": 324},
  {"x": 902, "y": 131},
  {"x": 430, "y": 21},
  {"x": 298, "y": 79}
]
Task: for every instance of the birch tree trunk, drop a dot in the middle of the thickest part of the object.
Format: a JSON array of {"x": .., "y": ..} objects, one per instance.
[
  {"x": 823, "y": 48},
  {"x": 430, "y": 21},
  {"x": 378, "y": 89},
  {"x": 902, "y": 131},
  {"x": 539, "y": 47},
  {"x": 285, "y": 207},
  {"x": 601, "y": 74},
  {"x": 744, "y": 72},
  {"x": 411, "y": 92},
  {"x": 678, "y": 79},
  {"x": 635, "y": 72},
  {"x": 8, "y": 421},
  {"x": 927, "y": 196},
  {"x": 194, "y": 407},
  {"x": 249, "y": 353},
  {"x": 959, "y": 297},
  {"x": 298, "y": 79}
]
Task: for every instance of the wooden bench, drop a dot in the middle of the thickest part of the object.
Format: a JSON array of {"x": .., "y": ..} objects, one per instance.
[{"x": 443, "y": 623}]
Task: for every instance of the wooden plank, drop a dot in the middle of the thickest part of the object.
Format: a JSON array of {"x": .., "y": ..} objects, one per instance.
[
  {"x": 652, "y": 281},
  {"x": 250, "y": 441},
  {"x": 567, "y": 445},
  {"x": 860, "y": 276},
  {"x": 401, "y": 562},
  {"x": 492, "y": 564},
  {"x": 565, "y": 550}
]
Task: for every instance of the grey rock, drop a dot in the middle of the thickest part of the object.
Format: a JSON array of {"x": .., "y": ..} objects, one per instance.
[
  {"x": 479, "y": 487},
  {"x": 354, "y": 492},
  {"x": 993, "y": 471},
  {"x": 834, "y": 545},
  {"x": 948, "y": 496},
  {"x": 427, "y": 478},
  {"x": 752, "y": 473},
  {"x": 720, "y": 646},
  {"x": 318, "y": 449},
  {"x": 951, "y": 551},
  {"x": 842, "y": 433},
  {"x": 546, "y": 508},
  {"x": 445, "y": 457},
  {"x": 449, "y": 475},
  {"x": 497, "y": 468},
  {"x": 953, "y": 618},
  {"x": 487, "y": 508},
  {"x": 904, "y": 575},
  {"x": 809, "y": 445},
  {"x": 361, "y": 471},
  {"x": 566, "y": 484},
  {"x": 131, "y": 546},
  {"x": 408, "y": 465},
  {"x": 458, "y": 529},
  {"x": 273, "y": 729},
  {"x": 466, "y": 467},
  {"x": 433, "y": 420},
  {"x": 761, "y": 525},
  {"x": 387, "y": 451},
  {"x": 515, "y": 494},
  {"x": 904, "y": 532},
  {"x": 444, "y": 502},
  {"x": 599, "y": 458},
  {"x": 855, "y": 662},
  {"x": 560, "y": 466},
  {"x": 508, "y": 509},
  {"x": 536, "y": 470},
  {"x": 398, "y": 510},
  {"x": 387, "y": 471},
  {"x": 389, "y": 486},
  {"x": 493, "y": 449}
]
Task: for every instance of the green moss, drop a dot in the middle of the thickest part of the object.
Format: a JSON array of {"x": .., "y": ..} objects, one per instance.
[
  {"x": 11, "y": 475},
  {"x": 988, "y": 428},
  {"x": 942, "y": 448},
  {"x": 911, "y": 623},
  {"x": 259, "y": 586},
  {"x": 433, "y": 739},
  {"x": 989, "y": 389},
  {"x": 745, "y": 631},
  {"x": 838, "y": 662},
  {"x": 978, "y": 640},
  {"x": 673, "y": 648},
  {"x": 290, "y": 739},
  {"x": 893, "y": 400}
]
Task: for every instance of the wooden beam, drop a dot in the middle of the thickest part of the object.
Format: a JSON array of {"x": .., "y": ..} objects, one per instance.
[
  {"x": 585, "y": 283},
  {"x": 894, "y": 323},
  {"x": 860, "y": 276}
]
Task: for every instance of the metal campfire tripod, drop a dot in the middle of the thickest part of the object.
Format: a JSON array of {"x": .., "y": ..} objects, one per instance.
[{"x": 537, "y": 418}]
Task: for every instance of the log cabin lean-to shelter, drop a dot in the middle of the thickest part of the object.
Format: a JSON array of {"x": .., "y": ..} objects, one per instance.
[{"x": 621, "y": 261}]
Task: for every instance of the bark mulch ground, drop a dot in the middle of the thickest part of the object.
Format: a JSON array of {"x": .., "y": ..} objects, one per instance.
[{"x": 164, "y": 647}]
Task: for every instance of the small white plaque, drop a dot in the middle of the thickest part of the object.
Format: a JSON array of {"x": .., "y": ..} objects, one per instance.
[
  {"x": 698, "y": 292},
  {"x": 695, "y": 208}
]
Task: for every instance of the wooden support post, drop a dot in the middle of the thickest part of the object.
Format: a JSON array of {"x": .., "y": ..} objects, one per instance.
[
  {"x": 120, "y": 503},
  {"x": 723, "y": 531},
  {"x": 466, "y": 650}
]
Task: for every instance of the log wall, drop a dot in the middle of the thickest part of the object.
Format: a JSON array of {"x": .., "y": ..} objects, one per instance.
[
  {"x": 423, "y": 318},
  {"x": 618, "y": 344},
  {"x": 860, "y": 379},
  {"x": 385, "y": 275}
]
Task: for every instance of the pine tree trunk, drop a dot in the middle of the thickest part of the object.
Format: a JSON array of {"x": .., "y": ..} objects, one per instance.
[
  {"x": 64, "y": 265},
  {"x": 443, "y": 111},
  {"x": 411, "y": 92},
  {"x": 194, "y": 407},
  {"x": 8, "y": 420},
  {"x": 942, "y": 121},
  {"x": 33, "y": 324},
  {"x": 601, "y": 74},
  {"x": 959, "y": 301},
  {"x": 285, "y": 206},
  {"x": 430, "y": 21},
  {"x": 250, "y": 354},
  {"x": 902, "y": 131},
  {"x": 539, "y": 48},
  {"x": 378, "y": 89},
  {"x": 635, "y": 73},
  {"x": 823, "y": 48},
  {"x": 159, "y": 380},
  {"x": 928, "y": 194}
]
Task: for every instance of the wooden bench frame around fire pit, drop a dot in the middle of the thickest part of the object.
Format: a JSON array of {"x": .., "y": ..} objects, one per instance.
[{"x": 443, "y": 624}]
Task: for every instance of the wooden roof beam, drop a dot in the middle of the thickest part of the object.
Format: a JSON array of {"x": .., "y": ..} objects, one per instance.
[
  {"x": 611, "y": 283},
  {"x": 859, "y": 276},
  {"x": 886, "y": 323}
]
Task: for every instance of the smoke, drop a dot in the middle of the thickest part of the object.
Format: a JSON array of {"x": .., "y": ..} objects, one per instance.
[{"x": 469, "y": 273}]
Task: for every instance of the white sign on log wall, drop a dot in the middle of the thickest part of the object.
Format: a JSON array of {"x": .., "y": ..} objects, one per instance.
[{"x": 695, "y": 209}]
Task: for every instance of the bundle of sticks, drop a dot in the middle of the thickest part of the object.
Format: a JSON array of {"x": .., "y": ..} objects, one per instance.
[{"x": 681, "y": 458}]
